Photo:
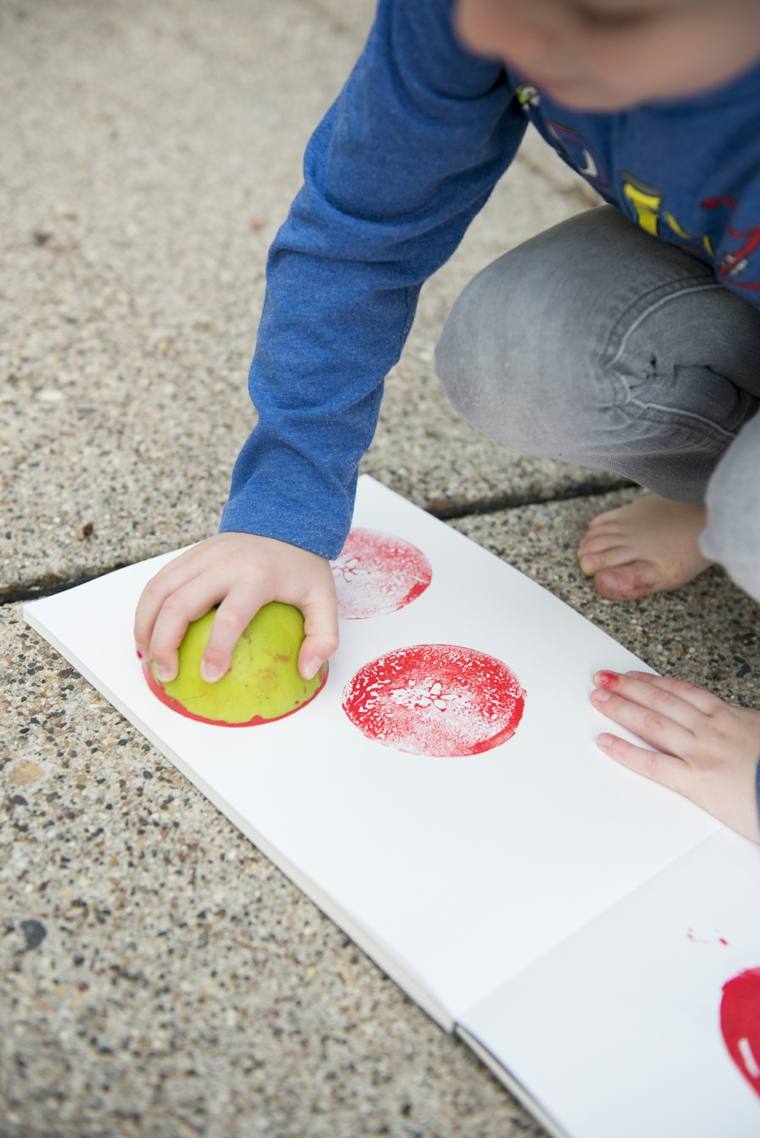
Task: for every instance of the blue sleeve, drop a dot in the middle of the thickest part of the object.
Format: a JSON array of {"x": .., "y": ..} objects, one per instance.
[{"x": 393, "y": 175}]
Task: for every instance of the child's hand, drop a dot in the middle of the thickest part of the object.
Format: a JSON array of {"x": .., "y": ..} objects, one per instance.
[
  {"x": 706, "y": 749},
  {"x": 240, "y": 572}
]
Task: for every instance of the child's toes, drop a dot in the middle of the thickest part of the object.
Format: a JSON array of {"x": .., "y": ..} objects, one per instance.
[
  {"x": 609, "y": 517},
  {"x": 627, "y": 582},
  {"x": 595, "y": 540},
  {"x": 592, "y": 561}
]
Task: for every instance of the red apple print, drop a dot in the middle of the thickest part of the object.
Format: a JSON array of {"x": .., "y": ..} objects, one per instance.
[
  {"x": 435, "y": 699},
  {"x": 740, "y": 1023},
  {"x": 376, "y": 574}
]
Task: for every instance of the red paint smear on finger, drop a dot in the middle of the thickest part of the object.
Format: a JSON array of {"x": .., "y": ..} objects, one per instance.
[
  {"x": 740, "y": 1023},
  {"x": 436, "y": 699},
  {"x": 257, "y": 720},
  {"x": 376, "y": 573}
]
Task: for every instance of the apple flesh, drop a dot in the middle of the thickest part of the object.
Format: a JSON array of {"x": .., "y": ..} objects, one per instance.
[{"x": 263, "y": 682}]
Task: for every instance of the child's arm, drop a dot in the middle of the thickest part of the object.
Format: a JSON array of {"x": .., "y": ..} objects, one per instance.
[{"x": 393, "y": 174}]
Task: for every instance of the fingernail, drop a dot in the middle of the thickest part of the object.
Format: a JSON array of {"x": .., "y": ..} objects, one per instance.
[
  {"x": 210, "y": 672},
  {"x": 599, "y": 695},
  {"x": 311, "y": 667},
  {"x": 604, "y": 740},
  {"x": 164, "y": 674},
  {"x": 608, "y": 678}
]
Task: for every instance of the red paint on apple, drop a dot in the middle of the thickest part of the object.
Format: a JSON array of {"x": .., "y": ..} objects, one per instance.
[
  {"x": 740, "y": 1023},
  {"x": 376, "y": 573},
  {"x": 436, "y": 699},
  {"x": 257, "y": 720}
]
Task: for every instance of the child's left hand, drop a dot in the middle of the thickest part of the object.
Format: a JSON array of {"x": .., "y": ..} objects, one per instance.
[{"x": 704, "y": 749}]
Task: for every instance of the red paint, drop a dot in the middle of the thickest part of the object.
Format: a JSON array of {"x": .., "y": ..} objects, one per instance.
[
  {"x": 740, "y": 1023},
  {"x": 139, "y": 654},
  {"x": 707, "y": 940},
  {"x": 257, "y": 720},
  {"x": 435, "y": 699},
  {"x": 376, "y": 573},
  {"x": 608, "y": 679}
]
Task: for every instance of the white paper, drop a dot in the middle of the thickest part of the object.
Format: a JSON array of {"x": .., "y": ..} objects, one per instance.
[
  {"x": 617, "y": 1029},
  {"x": 459, "y": 871}
]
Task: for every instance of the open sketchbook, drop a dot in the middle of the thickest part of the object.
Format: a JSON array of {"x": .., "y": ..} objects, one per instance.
[{"x": 593, "y": 937}]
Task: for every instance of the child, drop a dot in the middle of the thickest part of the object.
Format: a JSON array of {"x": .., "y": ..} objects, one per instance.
[{"x": 627, "y": 338}]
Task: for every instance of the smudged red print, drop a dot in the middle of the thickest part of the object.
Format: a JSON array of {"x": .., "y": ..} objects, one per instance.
[
  {"x": 436, "y": 699},
  {"x": 257, "y": 720},
  {"x": 740, "y": 1023},
  {"x": 376, "y": 573},
  {"x": 712, "y": 938}
]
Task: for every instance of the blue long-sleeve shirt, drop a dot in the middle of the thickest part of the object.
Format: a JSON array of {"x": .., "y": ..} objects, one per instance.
[{"x": 394, "y": 173}]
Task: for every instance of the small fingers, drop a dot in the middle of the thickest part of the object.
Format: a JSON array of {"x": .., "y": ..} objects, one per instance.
[
  {"x": 187, "y": 603},
  {"x": 232, "y": 617},
  {"x": 703, "y": 700},
  {"x": 167, "y": 581},
  {"x": 630, "y": 686},
  {"x": 666, "y": 769},
  {"x": 653, "y": 727},
  {"x": 321, "y": 628}
]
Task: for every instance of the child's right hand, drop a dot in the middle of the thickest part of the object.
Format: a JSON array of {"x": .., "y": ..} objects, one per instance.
[{"x": 240, "y": 572}]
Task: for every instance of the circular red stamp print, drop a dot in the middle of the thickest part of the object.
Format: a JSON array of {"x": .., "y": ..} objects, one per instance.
[
  {"x": 740, "y": 1023},
  {"x": 435, "y": 699},
  {"x": 376, "y": 573}
]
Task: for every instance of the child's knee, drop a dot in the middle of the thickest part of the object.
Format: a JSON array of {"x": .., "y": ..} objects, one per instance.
[
  {"x": 514, "y": 363},
  {"x": 473, "y": 345}
]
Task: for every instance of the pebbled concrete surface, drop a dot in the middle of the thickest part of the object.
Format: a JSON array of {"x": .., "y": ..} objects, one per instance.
[{"x": 158, "y": 978}]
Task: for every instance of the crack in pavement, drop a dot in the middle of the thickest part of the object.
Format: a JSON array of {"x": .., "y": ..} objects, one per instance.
[
  {"x": 47, "y": 586},
  {"x": 448, "y": 511},
  {"x": 54, "y": 583}
]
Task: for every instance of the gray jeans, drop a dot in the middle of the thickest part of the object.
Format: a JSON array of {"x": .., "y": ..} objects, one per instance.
[{"x": 601, "y": 345}]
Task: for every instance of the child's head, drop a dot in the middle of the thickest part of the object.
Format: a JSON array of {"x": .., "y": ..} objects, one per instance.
[{"x": 611, "y": 54}]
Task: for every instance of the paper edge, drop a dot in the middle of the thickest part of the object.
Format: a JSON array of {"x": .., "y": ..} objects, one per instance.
[{"x": 511, "y": 1082}]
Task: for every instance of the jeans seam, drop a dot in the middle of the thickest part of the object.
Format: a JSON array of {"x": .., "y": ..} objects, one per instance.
[
  {"x": 673, "y": 292},
  {"x": 647, "y": 306},
  {"x": 673, "y": 412}
]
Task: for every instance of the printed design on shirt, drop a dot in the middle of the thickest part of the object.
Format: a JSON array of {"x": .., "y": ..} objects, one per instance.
[
  {"x": 736, "y": 262},
  {"x": 527, "y": 96},
  {"x": 579, "y": 153},
  {"x": 645, "y": 205}
]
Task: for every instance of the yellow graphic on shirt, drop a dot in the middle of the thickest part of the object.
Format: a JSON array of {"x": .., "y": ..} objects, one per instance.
[{"x": 645, "y": 204}]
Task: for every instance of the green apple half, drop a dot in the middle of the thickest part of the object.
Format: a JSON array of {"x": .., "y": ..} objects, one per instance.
[{"x": 263, "y": 682}]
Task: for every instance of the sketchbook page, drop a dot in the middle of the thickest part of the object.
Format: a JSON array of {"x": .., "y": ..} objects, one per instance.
[
  {"x": 647, "y": 1021},
  {"x": 462, "y": 870}
]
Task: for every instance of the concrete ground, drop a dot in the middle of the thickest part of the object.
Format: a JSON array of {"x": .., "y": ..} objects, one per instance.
[{"x": 159, "y": 977}]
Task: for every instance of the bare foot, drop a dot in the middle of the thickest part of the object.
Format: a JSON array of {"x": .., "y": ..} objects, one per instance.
[{"x": 647, "y": 546}]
